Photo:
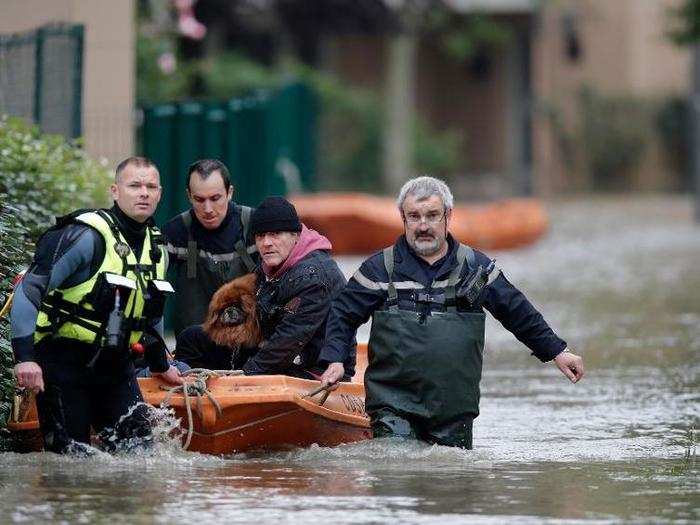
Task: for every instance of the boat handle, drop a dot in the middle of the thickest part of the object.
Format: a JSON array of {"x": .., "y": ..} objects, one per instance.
[{"x": 326, "y": 389}]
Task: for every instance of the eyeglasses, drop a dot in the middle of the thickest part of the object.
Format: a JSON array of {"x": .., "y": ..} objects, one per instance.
[{"x": 430, "y": 218}]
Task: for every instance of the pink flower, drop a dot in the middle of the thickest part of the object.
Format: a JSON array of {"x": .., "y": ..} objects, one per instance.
[
  {"x": 190, "y": 27},
  {"x": 167, "y": 63}
]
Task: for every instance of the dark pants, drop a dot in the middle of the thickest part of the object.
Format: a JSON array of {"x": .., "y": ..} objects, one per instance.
[
  {"x": 194, "y": 348},
  {"x": 77, "y": 397},
  {"x": 454, "y": 433}
]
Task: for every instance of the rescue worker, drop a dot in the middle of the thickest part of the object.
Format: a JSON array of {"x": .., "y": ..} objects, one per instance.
[
  {"x": 295, "y": 285},
  {"x": 426, "y": 295},
  {"x": 96, "y": 284},
  {"x": 207, "y": 243}
]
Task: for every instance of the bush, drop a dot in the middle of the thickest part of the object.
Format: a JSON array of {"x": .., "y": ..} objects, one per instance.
[
  {"x": 12, "y": 257},
  {"x": 45, "y": 175},
  {"x": 614, "y": 134},
  {"x": 351, "y": 137},
  {"x": 40, "y": 176}
]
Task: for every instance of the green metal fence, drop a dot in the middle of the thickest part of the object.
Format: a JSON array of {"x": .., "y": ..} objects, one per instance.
[
  {"x": 41, "y": 77},
  {"x": 267, "y": 140}
]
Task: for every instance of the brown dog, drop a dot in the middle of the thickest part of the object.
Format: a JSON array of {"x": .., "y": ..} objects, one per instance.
[{"x": 232, "y": 320}]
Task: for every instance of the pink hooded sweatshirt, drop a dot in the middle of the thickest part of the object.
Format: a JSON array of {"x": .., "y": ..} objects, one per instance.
[{"x": 309, "y": 240}]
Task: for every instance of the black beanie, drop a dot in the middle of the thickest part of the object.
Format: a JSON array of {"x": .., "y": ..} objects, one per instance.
[{"x": 274, "y": 214}]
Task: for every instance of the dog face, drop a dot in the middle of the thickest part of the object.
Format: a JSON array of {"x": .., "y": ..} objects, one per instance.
[{"x": 231, "y": 320}]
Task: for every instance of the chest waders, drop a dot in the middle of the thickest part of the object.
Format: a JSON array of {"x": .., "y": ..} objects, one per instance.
[
  {"x": 425, "y": 367},
  {"x": 203, "y": 275}
]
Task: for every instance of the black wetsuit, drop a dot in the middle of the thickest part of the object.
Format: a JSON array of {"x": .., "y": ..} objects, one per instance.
[{"x": 76, "y": 396}]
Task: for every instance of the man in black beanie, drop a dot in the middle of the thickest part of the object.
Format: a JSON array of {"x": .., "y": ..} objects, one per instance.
[{"x": 296, "y": 282}]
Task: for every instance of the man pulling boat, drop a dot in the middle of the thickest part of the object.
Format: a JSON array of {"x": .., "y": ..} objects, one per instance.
[{"x": 426, "y": 295}]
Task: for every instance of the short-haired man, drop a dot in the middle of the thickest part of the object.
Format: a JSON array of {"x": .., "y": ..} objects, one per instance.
[
  {"x": 95, "y": 286},
  {"x": 295, "y": 285},
  {"x": 207, "y": 243},
  {"x": 426, "y": 296}
]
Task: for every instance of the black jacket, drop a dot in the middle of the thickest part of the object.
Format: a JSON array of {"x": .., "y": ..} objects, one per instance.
[
  {"x": 217, "y": 262},
  {"x": 293, "y": 311},
  {"x": 366, "y": 292}
]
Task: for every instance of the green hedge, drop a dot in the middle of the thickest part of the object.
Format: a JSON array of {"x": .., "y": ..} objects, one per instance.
[{"x": 41, "y": 176}]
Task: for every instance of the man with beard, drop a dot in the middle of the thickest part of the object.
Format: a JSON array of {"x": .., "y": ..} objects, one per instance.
[{"x": 426, "y": 295}]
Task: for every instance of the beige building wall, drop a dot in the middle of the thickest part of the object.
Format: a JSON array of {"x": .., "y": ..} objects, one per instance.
[
  {"x": 108, "y": 64},
  {"x": 625, "y": 52}
]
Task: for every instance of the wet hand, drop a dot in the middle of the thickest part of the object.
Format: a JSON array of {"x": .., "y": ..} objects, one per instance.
[
  {"x": 332, "y": 375},
  {"x": 29, "y": 375},
  {"x": 570, "y": 365},
  {"x": 171, "y": 375}
]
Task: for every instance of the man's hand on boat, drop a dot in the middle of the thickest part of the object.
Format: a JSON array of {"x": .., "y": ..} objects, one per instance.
[
  {"x": 332, "y": 375},
  {"x": 570, "y": 365},
  {"x": 171, "y": 375},
  {"x": 30, "y": 376}
]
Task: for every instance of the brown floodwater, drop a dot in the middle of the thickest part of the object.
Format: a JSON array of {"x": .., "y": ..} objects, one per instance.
[{"x": 617, "y": 278}]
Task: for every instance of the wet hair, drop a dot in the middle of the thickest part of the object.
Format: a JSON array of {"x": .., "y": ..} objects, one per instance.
[
  {"x": 139, "y": 162},
  {"x": 206, "y": 167},
  {"x": 423, "y": 188}
]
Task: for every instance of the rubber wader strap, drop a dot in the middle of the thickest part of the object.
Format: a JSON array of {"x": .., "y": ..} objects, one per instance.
[
  {"x": 391, "y": 289},
  {"x": 463, "y": 253},
  {"x": 240, "y": 245},
  {"x": 191, "y": 246}
]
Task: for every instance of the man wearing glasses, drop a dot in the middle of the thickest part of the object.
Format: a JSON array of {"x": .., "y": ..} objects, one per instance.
[{"x": 426, "y": 295}]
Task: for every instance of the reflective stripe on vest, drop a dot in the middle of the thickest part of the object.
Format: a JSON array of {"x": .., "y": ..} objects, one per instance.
[
  {"x": 368, "y": 283},
  {"x": 112, "y": 263}
]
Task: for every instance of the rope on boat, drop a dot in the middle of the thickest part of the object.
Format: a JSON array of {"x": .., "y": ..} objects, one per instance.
[{"x": 196, "y": 390}]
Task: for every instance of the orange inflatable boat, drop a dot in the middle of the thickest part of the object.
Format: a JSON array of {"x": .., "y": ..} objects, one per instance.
[
  {"x": 265, "y": 412},
  {"x": 223, "y": 414},
  {"x": 357, "y": 223}
]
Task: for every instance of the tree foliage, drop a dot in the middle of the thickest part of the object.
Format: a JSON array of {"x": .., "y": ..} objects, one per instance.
[{"x": 685, "y": 21}]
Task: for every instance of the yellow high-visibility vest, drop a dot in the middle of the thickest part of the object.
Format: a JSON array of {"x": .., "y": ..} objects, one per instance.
[{"x": 68, "y": 313}]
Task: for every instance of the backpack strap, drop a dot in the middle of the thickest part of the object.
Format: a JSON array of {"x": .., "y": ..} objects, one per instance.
[
  {"x": 391, "y": 288},
  {"x": 186, "y": 218},
  {"x": 464, "y": 253},
  {"x": 240, "y": 246}
]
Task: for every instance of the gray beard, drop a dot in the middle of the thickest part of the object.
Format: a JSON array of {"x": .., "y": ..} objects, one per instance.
[{"x": 426, "y": 248}]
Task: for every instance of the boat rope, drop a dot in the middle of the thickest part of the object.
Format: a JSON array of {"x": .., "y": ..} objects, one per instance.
[{"x": 196, "y": 390}]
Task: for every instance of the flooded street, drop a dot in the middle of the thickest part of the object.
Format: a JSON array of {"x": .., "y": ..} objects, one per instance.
[{"x": 618, "y": 279}]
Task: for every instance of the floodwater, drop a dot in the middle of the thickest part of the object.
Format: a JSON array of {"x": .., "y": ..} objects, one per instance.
[{"x": 618, "y": 279}]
